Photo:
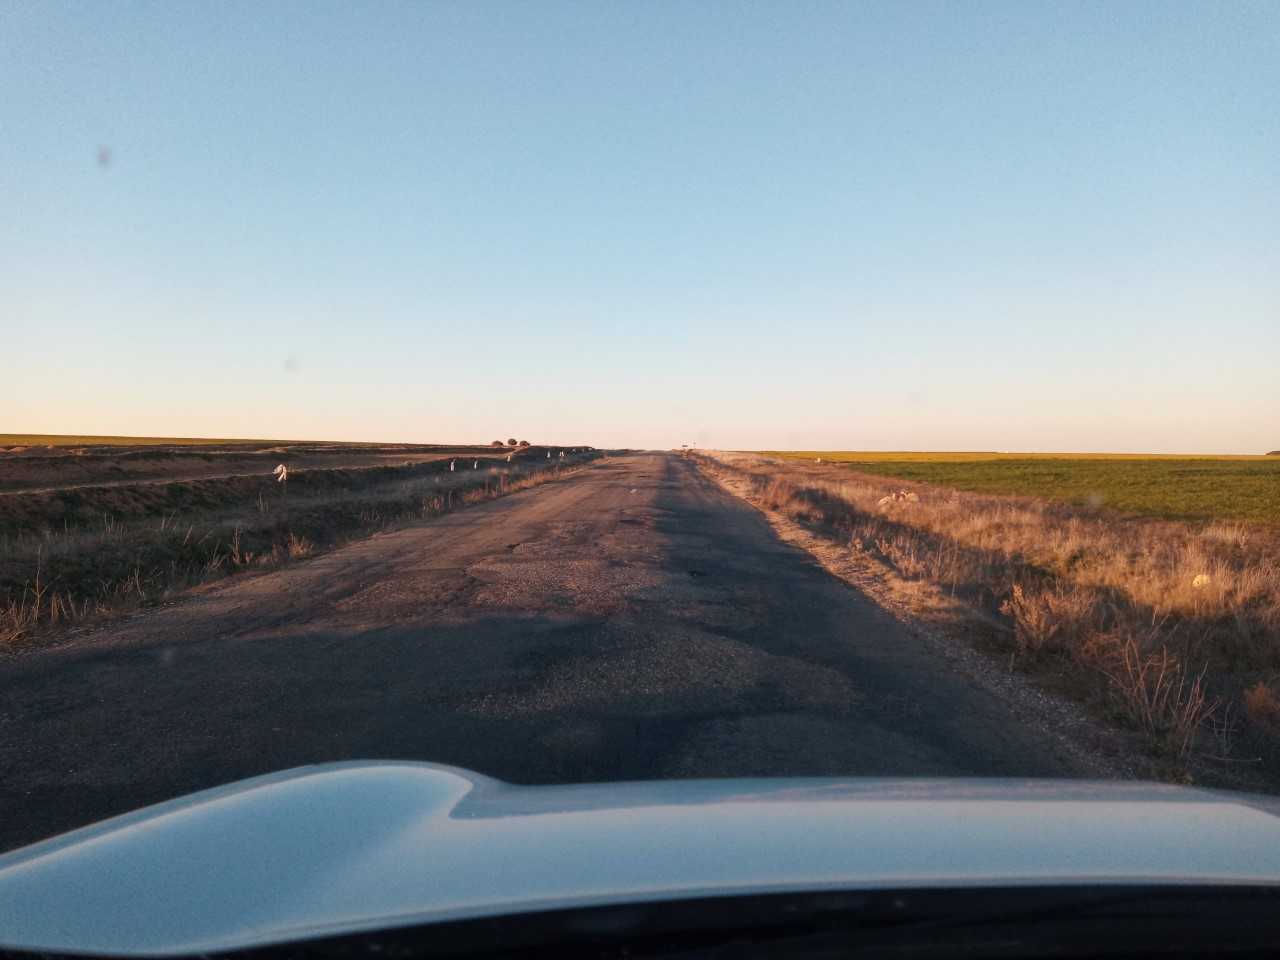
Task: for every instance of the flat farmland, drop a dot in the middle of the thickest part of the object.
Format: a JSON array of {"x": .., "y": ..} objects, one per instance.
[
  {"x": 1239, "y": 488},
  {"x": 32, "y": 462}
]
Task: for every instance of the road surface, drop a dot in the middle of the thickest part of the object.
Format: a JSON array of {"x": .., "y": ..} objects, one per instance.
[{"x": 633, "y": 622}]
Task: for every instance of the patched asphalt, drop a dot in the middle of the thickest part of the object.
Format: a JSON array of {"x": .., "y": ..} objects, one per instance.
[{"x": 632, "y": 622}]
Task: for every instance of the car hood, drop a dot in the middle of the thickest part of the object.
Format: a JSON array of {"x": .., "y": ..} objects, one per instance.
[{"x": 347, "y": 847}]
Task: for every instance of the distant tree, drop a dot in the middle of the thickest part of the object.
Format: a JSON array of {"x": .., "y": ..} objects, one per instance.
[
  {"x": 511, "y": 443},
  {"x": 496, "y": 443},
  {"x": 1273, "y": 453},
  {"x": 524, "y": 443}
]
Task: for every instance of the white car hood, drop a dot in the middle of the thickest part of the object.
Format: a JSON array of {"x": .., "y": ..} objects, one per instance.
[{"x": 348, "y": 847}]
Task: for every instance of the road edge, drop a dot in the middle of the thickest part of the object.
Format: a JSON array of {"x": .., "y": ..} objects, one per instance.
[{"x": 1095, "y": 749}]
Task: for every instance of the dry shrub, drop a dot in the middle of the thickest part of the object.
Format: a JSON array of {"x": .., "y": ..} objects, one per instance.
[
  {"x": 1160, "y": 695},
  {"x": 1049, "y": 619},
  {"x": 908, "y": 556},
  {"x": 16, "y": 618},
  {"x": 21, "y": 614},
  {"x": 297, "y": 547},
  {"x": 781, "y": 495}
]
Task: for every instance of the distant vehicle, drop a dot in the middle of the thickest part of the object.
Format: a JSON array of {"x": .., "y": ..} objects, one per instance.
[{"x": 409, "y": 859}]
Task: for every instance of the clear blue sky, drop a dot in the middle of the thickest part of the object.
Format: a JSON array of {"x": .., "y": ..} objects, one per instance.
[{"x": 860, "y": 226}]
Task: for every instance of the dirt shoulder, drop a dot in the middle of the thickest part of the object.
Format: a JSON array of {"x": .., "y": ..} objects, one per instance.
[{"x": 162, "y": 539}]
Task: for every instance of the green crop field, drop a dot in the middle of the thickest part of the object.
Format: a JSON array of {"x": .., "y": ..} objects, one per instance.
[{"x": 1176, "y": 487}]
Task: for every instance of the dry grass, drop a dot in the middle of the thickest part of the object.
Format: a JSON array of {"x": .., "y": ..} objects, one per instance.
[
  {"x": 1052, "y": 619},
  {"x": 1160, "y": 618},
  {"x": 1159, "y": 694}
]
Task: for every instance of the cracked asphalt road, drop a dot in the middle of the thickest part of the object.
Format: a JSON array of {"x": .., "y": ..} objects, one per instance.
[{"x": 633, "y": 622}]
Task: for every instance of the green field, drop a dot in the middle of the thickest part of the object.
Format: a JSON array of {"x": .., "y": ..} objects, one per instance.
[{"x": 1176, "y": 487}]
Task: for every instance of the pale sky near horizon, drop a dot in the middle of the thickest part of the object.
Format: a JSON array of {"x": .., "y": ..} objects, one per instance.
[{"x": 993, "y": 226}]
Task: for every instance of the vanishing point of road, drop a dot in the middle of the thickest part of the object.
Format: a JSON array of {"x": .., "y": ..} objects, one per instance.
[{"x": 634, "y": 621}]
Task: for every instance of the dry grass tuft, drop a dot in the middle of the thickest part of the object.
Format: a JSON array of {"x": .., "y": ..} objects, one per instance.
[
  {"x": 1050, "y": 619},
  {"x": 1262, "y": 704},
  {"x": 1160, "y": 695}
]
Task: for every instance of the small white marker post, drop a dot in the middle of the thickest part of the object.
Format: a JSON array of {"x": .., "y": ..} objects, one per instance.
[
  {"x": 452, "y": 464},
  {"x": 281, "y": 473}
]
